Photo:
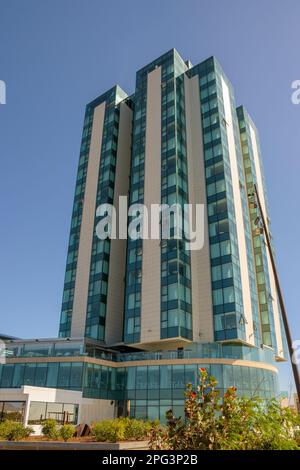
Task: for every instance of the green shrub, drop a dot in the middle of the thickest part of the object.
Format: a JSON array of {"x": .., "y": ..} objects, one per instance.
[
  {"x": 151, "y": 426},
  {"x": 67, "y": 431},
  {"x": 137, "y": 428},
  {"x": 12, "y": 431},
  {"x": 121, "y": 429},
  {"x": 50, "y": 429},
  {"x": 111, "y": 430},
  {"x": 134, "y": 429},
  {"x": 155, "y": 423}
]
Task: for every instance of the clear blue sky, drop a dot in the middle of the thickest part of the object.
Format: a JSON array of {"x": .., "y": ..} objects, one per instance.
[{"x": 55, "y": 56}]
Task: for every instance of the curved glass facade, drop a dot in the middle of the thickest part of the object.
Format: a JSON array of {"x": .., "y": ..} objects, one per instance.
[
  {"x": 152, "y": 390},
  {"x": 148, "y": 390}
]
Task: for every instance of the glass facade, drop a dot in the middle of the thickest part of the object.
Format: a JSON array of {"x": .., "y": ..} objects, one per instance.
[
  {"x": 148, "y": 383},
  {"x": 236, "y": 301},
  {"x": 176, "y": 322},
  {"x": 153, "y": 390},
  {"x": 12, "y": 411},
  {"x": 99, "y": 263},
  {"x": 132, "y": 308},
  {"x": 259, "y": 248},
  {"x": 62, "y": 413},
  {"x": 71, "y": 263},
  {"x": 45, "y": 349},
  {"x": 145, "y": 383},
  {"x": 149, "y": 389},
  {"x": 176, "y": 308},
  {"x": 65, "y": 375},
  {"x": 228, "y": 309},
  {"x": 88, "y": 348},
  {"x": 176, "y": 296},
  {"x": 175, "y": 263}
]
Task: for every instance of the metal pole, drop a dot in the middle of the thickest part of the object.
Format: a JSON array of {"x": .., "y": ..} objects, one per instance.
[{"x": 280, "y": 297}]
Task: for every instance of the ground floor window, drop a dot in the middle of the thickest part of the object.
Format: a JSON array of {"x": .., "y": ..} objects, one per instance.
[
  {"x": 12, "y": 410},
  {"x": 62, "y": 412}
]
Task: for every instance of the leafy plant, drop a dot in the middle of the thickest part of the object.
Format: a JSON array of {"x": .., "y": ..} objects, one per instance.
[
  {"x": 13, "y": 431},
  {"x": 121, "y": 429},
  {"x": 237, "y": 423},
  {"x": 111, "y": 430},
  {"x": 66, "y": 431},
  {"x": 136, "y": 428},
  {"x": 50, "y": 429}
]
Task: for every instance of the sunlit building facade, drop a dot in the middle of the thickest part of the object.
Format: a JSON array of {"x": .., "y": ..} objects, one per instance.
[{"x": 139, "y": 317}]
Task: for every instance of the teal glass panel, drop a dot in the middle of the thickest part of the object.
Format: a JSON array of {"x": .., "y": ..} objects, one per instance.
[{"x": 52, "y": 374}]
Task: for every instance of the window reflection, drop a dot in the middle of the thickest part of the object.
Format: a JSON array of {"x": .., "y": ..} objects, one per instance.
[
  {"x": 12, "y": 410},
  {"x": 62, "y": 413}
]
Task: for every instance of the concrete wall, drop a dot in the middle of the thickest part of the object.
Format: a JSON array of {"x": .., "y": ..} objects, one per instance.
[
  {"x": 87, "y": 226},
  {"x": 200, "y": 259},
  {"x": 150, "y": 298},
  {"x": 246, "y": 294},
  {"x": 117, "y": 259},
  {"x": 93, "y": 410},
  {"x": 90, "y": 410}
]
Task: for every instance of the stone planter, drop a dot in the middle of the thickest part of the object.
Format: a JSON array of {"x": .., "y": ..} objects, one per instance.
[{"x": 52, "y": 445}]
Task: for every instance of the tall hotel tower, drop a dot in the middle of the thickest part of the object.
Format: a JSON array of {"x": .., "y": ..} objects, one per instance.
[
  {"x": 148, "y": 313},
  {"x": 178, "y": 139}
]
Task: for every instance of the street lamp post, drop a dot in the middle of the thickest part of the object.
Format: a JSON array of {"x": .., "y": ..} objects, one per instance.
[{"x": 280, "y": 296}]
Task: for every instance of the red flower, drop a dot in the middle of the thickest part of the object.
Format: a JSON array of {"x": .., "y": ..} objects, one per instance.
[
  {"x": 233, "y": 389},
  {"x": 202, "y": 369},
  {"x": 193, "y": 395}
]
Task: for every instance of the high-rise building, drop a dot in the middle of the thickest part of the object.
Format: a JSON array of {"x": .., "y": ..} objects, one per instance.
[
  {"x": 178, "y": 139},
  {"x": 139, "y": 316},
  {"x": 93, "y": 291}
]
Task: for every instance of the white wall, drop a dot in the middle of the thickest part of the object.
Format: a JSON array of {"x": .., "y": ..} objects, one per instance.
[{"x": 90, "y": 410}]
